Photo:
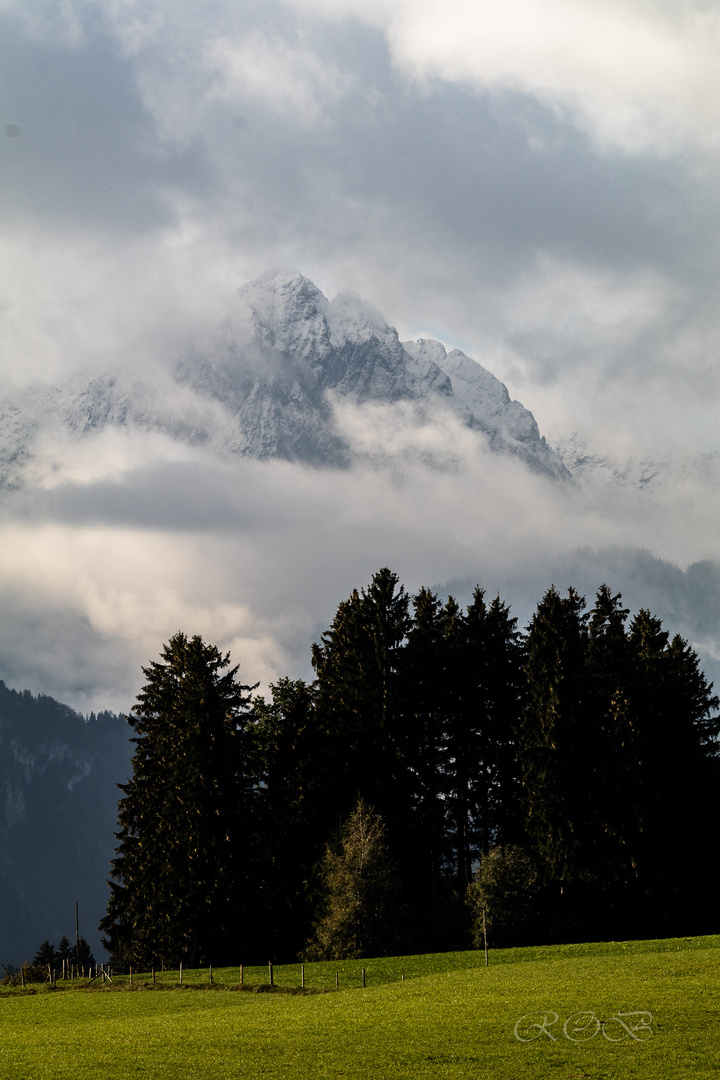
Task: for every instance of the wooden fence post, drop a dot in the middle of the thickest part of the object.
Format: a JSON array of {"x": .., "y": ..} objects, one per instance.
[
  {"x": 270, "y": 972},
  {"x": 241, "y": 975},
  {"x": 131, "y": 977},
  {"x": 363, "y": 971},
  {"x": 181, "y": 972},
  {"x": 302, "y": 976},
  {"x": 211, "y": 975},
  {"x": 337, "y": 979},
  {"x": 485, "y": 940}
]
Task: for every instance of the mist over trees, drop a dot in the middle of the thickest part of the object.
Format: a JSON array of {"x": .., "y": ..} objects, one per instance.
[{"x": 442, "y": 763}]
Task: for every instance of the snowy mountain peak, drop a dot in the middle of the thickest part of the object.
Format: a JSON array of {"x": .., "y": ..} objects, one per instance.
[
  {"x": 280, "y": 312},
  {"x": 269, "y": 383}
]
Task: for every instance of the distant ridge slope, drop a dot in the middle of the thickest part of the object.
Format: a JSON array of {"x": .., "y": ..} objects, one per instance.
[
  {"x": 265, "y": 386},
  {"x": 58, "y": 812}
]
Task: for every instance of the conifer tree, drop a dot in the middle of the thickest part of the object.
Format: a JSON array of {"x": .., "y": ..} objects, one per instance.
[
  {"x": 183, "y": 862},
  {"x": 556, "y": 744},
  {"x": 489, "y": 673},
  {"x": 619, "y": 751},
  {"x": 358, "y": 697},
  {"x": 294, "y": 770},
  {"x": 84, "y": 956},
  {"x": 608, "y": 858},
  {"x": 672, "y": 801},
  {"x": 45, "y": 955},
  {"x": 426, "y": 692},
  {"x": 65, "y": 951}
]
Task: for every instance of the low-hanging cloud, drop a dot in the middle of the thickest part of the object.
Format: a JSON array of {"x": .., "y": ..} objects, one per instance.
[{"x": 256, "y": 556}]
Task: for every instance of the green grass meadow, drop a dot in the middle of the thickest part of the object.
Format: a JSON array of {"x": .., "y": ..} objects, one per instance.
[{"x": 451, "y": 1017}]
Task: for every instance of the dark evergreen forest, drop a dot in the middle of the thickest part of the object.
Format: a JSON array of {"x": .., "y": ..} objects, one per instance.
[{"x": 564, "y": 779}]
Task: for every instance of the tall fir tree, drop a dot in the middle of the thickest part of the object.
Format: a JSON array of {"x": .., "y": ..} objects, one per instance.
[
  {"x": 463, "y": 734},
  {"x": 491, "y": 680},
  {"x": 673, "y": 798},
  {"x": 610, "y": 775},
  {"x": 65, "y": 951},
  {"x": 46, "y": 954},
  {"x": 358, "y": 698},
  {"x": 183, "y": 868},
  {"x": 294, "y": 771},
  {"x": 619, "y": 759},
  {"x": 556, "y": 749},
  {"x": 425, "y": 692}
]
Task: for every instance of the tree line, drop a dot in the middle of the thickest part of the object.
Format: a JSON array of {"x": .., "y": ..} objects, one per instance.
[
  {"x": 442, "y": 762},
  {"x": 49, "y": 959}
]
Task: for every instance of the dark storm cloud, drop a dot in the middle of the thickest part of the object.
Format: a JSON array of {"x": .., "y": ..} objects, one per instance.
[
  {"x": 488, "y": 178},
  {"x": 90, "y": 156},
  {"x": 170, "y": 497}
]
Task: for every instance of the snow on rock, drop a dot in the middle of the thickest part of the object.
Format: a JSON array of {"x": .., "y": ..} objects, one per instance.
[{"x": 265, "y": 385}]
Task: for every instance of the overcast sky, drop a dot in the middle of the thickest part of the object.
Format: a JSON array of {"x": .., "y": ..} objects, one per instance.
[{"x": 533, "y": 181}]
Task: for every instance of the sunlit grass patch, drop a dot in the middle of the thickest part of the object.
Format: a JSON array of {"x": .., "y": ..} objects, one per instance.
[{"x": 451, "y": 1017}]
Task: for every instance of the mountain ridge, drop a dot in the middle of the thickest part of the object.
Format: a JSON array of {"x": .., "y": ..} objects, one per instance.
[
  {"x": 59, "y": 773},
  {"x": 265, "y": 383}
]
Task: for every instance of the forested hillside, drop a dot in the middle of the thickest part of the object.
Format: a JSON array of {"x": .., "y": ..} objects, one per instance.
[
  {"x": 583, "y": 752},
  {"x": 58, "y": 805}
]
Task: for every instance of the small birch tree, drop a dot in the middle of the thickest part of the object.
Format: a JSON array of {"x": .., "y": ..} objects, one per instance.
[{"x": 362, "y": 893}]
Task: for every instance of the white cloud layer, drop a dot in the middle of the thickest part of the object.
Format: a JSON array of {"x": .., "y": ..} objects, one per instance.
[
  {"x": 134, "y": 540},
  {"x": 637, "y": 76},
  {"x": 285, "y": 76}
]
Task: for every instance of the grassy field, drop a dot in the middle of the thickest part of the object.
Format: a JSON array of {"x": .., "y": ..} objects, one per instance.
[{"x": 451, "y": 1017}]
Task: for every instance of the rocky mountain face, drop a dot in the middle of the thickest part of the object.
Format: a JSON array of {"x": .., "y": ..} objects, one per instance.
[
  {"x": 58, "y": 811},
  {"x": 268, "y": 382},
  {"x": 602, "y": 473}
]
